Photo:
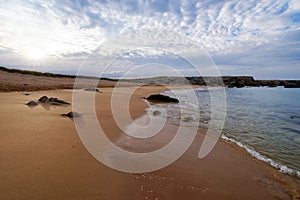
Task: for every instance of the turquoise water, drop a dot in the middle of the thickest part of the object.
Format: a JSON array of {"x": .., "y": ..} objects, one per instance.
[{"x": 264, "y": 121}]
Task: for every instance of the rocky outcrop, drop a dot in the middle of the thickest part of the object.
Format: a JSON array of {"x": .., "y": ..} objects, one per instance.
[
  {"x": 226, "y": 81},
  {"x": 292, "y": 84},
  {"x": 46, "y": 102},
  {"x": 271, "y": 83},
  {"x": 161, "y": 98},
  {"x": 240, "y": 81}
]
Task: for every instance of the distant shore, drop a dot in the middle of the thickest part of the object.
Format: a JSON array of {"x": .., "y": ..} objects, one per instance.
[
  {"x": 42, "y": 156},
  {"x": 34, "y": 81}
]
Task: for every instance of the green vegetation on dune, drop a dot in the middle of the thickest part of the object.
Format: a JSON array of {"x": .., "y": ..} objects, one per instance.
[
  {"x": 34, "y": 73},
  {"x": 48, "y": 74},
  {"x": 229, "y": 81}
]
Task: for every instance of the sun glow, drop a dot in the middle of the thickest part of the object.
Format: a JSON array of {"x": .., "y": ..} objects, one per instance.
[{"x": 35, "y": 54}]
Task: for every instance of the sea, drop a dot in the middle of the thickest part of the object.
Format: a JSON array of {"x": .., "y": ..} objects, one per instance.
[{"x": 264, "y": 121}]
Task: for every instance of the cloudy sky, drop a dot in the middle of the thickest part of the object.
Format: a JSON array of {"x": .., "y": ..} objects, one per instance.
[{"x": 259, "y": 38}]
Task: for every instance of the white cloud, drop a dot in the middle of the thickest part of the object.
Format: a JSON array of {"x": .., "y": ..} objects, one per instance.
[{"x": 224, "y": 28}]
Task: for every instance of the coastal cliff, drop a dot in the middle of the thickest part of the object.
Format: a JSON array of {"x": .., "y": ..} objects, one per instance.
[
  {"x": 50, "y": 80},
  {"x": 228, "y": 81}
]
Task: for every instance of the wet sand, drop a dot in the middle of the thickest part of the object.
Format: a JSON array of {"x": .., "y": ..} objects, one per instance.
[{"x": 42, "y": 157}]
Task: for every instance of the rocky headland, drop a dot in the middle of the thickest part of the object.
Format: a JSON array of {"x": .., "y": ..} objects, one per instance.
[{"x": 227, "y": 81}]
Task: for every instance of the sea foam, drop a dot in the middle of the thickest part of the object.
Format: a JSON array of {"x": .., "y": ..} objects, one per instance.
[{"x": 282, "y": 168}]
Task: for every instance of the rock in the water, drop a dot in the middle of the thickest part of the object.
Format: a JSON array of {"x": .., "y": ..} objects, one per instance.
[
  {"x": 43, "y": 99},
  {"x": 156, "y": 113},
  {"x": 92, "y": 89},
  {"x": 71, "y": 115},
  {"x": 295, "y": 117},
  {"x": 161, "y": 98},
  {"x": 32, "y": 103}
]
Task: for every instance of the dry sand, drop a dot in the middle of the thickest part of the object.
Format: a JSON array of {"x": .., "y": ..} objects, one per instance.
[
  {"x": 42, "y": 157},
  {"x": 24, "y": 82}
]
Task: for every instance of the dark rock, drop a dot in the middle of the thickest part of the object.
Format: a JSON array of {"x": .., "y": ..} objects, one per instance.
[
  {"x": 71, "y": 114},
  {"x": 53, "y": 101},
  {"x": 92, "y": 89},
  {"x": 240, "y": 85},
  {"x": 295, "y": 117},
  {"x": 156, "y": 113},
  {"x": 32, "y": 103},
  {"x": 292, "y": 84},
  {"x": 229, "y": 81},
  {"x": 57, "y": 101},
  {"x": 161, "y": 98},
  {"x": 26, "y": 94},
  {"x": 43, "y": 99}
]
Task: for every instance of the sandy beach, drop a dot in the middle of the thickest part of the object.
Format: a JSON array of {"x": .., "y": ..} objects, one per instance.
[
  {"x": 150, "y": 100},
  {"x": 42, "y": 157}
]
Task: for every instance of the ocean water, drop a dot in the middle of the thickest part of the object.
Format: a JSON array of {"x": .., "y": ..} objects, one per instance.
[{"x": 265, "y": 121}]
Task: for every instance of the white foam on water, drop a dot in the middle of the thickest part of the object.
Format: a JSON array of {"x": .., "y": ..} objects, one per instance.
[{"x": 282, "y": 168}]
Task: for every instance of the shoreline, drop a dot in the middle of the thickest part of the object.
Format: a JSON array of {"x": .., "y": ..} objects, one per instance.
[
  {"x": 282, "y": 168},
  {"x": 270, "y": 162},
  {"x": 46, "y": 146}
]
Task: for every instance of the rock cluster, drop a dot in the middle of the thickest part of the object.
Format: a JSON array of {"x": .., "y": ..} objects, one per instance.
[
  {"x": 47, "y": 102},
  {"x": 52, "y": 100}
]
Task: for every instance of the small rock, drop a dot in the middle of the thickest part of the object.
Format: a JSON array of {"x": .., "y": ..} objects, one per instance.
[
  {"x": 92, "y": 89},
  {"x": 32, "y": 103},
  {"x": 57, "y": 101},
  {"x": 156, "y": 113},
  {"x": 71, "y": 114},
  {"x": 43, "y": 99},
  {"x": 26, "y": 94}
]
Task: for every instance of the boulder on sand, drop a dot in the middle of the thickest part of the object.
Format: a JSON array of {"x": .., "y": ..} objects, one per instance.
[
  {"x": 32, "y": 103},
  {"x": 43, "y": 99},
  {"x": 52, "y": 100},
  {"x": 92, "y": 90},
  {"x": 161, "y": 98},
  {"x": 57, "y": 101}
]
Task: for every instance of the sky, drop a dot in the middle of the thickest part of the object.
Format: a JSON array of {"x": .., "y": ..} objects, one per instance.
[{"x": 259, "y": 38}]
